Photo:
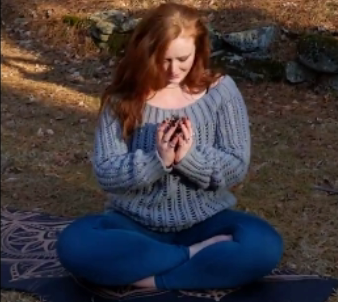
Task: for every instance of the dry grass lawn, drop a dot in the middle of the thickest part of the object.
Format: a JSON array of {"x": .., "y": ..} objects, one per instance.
[{"x": 48, "y": 117}]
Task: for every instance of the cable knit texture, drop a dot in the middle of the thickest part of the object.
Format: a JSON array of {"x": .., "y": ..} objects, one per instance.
[{"x": 170, "y": 200}]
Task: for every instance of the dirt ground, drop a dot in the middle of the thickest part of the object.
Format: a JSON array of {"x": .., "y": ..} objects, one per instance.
[{"x": 51, "y": 81}]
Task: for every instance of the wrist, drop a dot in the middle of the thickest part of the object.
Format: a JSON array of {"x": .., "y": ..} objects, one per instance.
[{"x": 167, "y": 167}]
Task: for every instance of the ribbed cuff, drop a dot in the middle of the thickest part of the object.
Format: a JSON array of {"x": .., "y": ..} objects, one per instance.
[
  {"x": 165, "y": 168},
  {"x": 192, "y": 167}
]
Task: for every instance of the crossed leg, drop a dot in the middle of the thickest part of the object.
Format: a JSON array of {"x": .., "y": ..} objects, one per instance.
[
  {"x": 114, "y": 250},
  {"x": 253, "y": 251}
]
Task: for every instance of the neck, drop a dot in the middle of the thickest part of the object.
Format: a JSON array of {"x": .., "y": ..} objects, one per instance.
[{"x": 173, "y": 86}]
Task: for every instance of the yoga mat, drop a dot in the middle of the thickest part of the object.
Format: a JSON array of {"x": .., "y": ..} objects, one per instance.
[{"x": 29, "y": 263}]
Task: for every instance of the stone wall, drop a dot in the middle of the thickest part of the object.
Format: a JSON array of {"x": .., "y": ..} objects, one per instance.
[{"x": 245, "y": 54}]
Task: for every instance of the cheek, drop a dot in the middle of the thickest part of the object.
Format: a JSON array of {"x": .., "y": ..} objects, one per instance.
[
  {"x": 166, "y": 66},
  {"x": 187, "y": 65}
]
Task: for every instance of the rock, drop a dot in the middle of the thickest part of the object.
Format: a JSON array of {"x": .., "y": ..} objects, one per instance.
[
  {"x": 271, "y": 69},
  {"x": 319, "y": 52},
  {"x": 258, "y": 39},
  {"x": 112, "y": 16},
  {"x": 117, "y": 42},
  {"x": 231, "y": 57},
  {"x": 333, "y": 82},
  {"x": 297, "y": 73},
  {"x": 49, "y": 13},
  {"x": 114, "y": 21},
  {"x": 33, "y": 14},
  {"x": 31, "y": 100},
  {"x": 40, "y": 132},
  {"x": 251, "y": 69},
  {"x": 129, "y": 24},
  {"x": 111, "y": 28},
  {"x": 105, "y": 27},
  {"x": 102, "y": 45},
  {"x": 291, "y": 34},
  {"x": 50, "y": 132},
  {"x": 75, "y": 77},
  {"x": 216, "y": 41},
  {"x": 99, "y": 35},
  {"x": 257, "y": 55},
  {"x": 255, "y": 77}
]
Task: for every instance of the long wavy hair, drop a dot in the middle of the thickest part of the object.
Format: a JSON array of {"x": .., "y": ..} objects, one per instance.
[{"x": 140, "y": 72}]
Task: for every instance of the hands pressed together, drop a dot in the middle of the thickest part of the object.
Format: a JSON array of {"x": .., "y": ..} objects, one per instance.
[{"x": 174, "y": 139}]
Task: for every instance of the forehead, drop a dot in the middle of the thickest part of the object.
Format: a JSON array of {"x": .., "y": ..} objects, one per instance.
[{"x": 181, "y": 46}]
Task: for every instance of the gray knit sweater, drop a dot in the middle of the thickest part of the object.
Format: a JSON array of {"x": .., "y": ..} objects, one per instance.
[{"x": 169, "y": 200}]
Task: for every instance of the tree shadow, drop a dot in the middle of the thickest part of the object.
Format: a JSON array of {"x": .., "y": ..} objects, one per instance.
[
  {"x": 46, "y": 156},
  {"x": 55, "y": 171}
]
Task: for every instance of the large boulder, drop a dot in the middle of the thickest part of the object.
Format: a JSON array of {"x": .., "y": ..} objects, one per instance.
[
  {"x": 252, "y": 40},
  {"x": 114, "y": 21},
  {"x": 319, "y": 52},
  {"x": 297, "y": 73}
]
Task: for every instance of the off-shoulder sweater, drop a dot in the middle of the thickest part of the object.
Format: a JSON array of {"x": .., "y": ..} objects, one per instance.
[{"x": 198, "y": 187}]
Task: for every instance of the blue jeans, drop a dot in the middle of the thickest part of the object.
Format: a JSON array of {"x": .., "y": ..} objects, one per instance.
[{"x": 113, "y": 250}]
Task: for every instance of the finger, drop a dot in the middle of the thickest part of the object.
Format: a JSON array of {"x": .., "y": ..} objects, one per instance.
[
  {"x": 189, "y": 125},
  {"x": 168, "y": 136},
  {"x": 185, "y": 131},
  {"x": 160, "y": 130},
  {"x": 174, "y": 141}
]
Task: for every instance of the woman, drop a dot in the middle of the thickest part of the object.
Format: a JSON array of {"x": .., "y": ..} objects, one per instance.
[{"x": 169, "y": 224}]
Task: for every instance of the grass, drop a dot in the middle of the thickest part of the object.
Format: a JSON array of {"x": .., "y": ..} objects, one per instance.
[{"x": 293, "y": 128}]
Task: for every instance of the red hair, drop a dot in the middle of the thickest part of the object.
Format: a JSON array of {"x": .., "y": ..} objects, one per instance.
[{"x": 140, "y": 72}]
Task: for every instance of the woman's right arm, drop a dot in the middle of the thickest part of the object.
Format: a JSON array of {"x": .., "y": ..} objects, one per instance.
[{"x": 115, "y": 167}]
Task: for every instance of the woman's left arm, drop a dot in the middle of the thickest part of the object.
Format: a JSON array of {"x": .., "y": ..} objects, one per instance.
[{"x": 227, "y": 162}]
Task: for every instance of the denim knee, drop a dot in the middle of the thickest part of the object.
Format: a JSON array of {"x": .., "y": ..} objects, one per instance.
[
  {"x": 72, "y": 245},
  {"x": 65, "y": 247},
  {"x": 271, "y": 251}
]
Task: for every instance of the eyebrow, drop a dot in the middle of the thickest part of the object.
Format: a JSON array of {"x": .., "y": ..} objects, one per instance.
[
  {"x": 182, "y": 57},
  {"x": 186, "y": 56}
]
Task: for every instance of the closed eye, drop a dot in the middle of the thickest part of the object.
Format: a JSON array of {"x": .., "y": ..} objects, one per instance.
[{"x": 182, "y": 59}]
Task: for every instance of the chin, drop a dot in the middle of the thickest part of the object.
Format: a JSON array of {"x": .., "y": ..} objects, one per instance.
[{"x": 176, "y": 81}]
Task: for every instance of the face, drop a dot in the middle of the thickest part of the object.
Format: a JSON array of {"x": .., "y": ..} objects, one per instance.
[{"x": 179, "y": 59}]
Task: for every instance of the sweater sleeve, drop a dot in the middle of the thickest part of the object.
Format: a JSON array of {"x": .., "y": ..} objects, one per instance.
[
  {"x": 225, "y": 164},
  {"x": 116, "y": 169}
]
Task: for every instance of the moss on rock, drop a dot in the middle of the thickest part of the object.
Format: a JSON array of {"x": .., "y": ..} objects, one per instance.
[
  {"x": 76, "y": 21},
  {"x": 319, "y": 52},
  {"x": 271, "y": 69},
  {"x": 117, "y": 42}
]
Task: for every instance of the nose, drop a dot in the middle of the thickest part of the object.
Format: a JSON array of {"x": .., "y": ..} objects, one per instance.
[{"x": 174, "y": 67}]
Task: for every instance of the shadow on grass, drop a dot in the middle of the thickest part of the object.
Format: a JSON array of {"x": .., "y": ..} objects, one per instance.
[
  {"x": 45, "y": 156},
  {"x": 58, "y": 175}
]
